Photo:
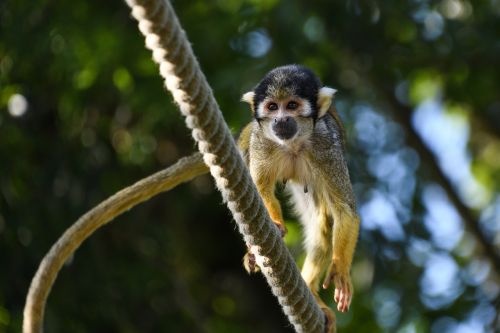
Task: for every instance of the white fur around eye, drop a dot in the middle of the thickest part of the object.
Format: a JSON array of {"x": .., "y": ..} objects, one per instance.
[
  {"x": 306, "y": 109},
  {"x": 260, "y": 110}
]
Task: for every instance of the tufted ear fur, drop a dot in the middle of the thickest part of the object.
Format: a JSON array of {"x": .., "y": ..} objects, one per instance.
[
  {"x": 325, "y": 98},
  {"x": 248, "y": 97}
]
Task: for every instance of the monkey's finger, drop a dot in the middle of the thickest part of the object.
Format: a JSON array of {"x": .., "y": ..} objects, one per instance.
[
  {"x": 340, "y": 295},
  {"x": 340, "y": 302},
  {"x": 328, "y": 279},
  {"x": 349, "y": 300},
  {"x": 349, "y": 293},
  {"x": 345, "y": 301},
  {"x": 326, "y": 283}
]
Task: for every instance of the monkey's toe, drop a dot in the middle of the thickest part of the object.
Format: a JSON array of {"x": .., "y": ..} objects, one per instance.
[
  {"x": 250, "y": 264},
  {"x": 343, "y": 297}
]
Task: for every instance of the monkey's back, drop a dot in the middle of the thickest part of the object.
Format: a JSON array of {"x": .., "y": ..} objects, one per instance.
[{"x": 329, "y": 155}]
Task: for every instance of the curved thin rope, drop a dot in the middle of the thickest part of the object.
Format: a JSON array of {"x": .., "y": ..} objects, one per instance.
[
  {"x": 184, "y": 170},
  {"x": 183, "y": 77}
]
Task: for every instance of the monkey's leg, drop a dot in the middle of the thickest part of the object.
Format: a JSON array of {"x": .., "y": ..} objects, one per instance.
[
  {"x": 273, "y": 206},
  {"x": 345, "y": 235},
  {"x": 318, "y": 249}
]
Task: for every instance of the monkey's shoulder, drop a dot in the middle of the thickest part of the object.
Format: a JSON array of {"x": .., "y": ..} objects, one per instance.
[{"x": 328, "y": 134}]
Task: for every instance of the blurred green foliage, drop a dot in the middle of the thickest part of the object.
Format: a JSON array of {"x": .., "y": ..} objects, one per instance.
[{"x": 83, "y": 113}]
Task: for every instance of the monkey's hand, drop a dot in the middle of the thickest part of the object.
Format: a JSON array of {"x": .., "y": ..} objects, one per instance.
[
  {"x": 249, "y": 258},
  {"x": 343, "y": 286},
  {"x": 282, "y": 228}
]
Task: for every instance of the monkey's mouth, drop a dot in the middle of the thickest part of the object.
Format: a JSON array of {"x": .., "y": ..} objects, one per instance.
[
  {"x": 284, "y": 129},
  {"x": 285, "y": 134}
]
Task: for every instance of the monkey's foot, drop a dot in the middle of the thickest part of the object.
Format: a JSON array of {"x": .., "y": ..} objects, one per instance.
[
  {"x": 330, "y": 325},
  {"x": 343, "y": 287},
  {"x": 249, "y": 263}
]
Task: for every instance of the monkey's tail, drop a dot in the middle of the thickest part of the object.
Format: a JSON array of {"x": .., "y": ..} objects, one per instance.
[{"x": 184, "y": 170}]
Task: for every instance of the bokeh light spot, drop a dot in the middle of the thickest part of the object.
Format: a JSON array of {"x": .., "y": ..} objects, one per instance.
[
  {"x": 440, "y": 284},
  {"x": 17, "y": 105}
]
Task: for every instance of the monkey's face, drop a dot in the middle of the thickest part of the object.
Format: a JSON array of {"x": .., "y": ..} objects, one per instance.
[
  {"x": 286, "y": 103},
  {"x": 285, "y": 120}
]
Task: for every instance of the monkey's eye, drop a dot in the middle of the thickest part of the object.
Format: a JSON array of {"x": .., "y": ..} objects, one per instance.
[
  {"x": 272, "y": 106},
  {"x": 292, "y": 105}
]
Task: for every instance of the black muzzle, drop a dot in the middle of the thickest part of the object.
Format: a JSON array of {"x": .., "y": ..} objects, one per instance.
[{"x": 284, "y": 128}]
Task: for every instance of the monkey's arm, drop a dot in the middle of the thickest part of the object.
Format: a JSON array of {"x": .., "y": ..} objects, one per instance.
[
  {"x": 340, "y": 200},
  {"x": 266, "y": 190},
  {"x": 345, "y": 235},
  {"x": 344, "y": 238},
  {"x": 263, "y": 180}
]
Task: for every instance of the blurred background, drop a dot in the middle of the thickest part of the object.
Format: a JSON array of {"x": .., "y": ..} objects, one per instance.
[{"x": 83, "y": 113}]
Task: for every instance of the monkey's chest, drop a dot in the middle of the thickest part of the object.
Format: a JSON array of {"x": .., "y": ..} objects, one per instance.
[{"x": 291, "y": 166}]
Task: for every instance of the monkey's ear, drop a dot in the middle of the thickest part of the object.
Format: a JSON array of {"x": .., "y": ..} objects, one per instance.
[
  {"x": 248, "y": 97},
  {"x": 325, "y": 98}
]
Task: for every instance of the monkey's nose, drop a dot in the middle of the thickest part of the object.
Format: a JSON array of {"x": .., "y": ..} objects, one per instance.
[
  {"x": 285, "y": 119},
  {"x": 284, "y": 128}
]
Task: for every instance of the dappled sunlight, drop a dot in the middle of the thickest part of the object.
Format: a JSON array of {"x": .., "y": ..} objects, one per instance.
[
  {"x": 490, "y": 219},
  {"x": 379, "y": 213},
  {"x": 447, "y": 136},
  {"x": 256, "y": 43},
  {"x": 386, "y": 306},
  {"x": 440, "y": 283},
  {"x": 394, "y": 166},
  {"x": 419, "y": 251},
  {"x": 442, "y": 221}
]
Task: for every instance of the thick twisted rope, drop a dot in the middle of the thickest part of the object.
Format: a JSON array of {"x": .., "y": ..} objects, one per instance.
[{"x": 183, "y": 77}]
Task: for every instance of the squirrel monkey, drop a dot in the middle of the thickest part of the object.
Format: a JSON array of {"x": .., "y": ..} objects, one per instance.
[{"x": 297, "y": 138}]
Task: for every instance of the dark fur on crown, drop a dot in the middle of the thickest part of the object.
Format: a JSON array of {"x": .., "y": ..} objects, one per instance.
[{"x": 289, "y": 80}]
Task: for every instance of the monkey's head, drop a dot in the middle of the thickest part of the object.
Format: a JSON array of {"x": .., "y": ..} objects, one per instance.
[{"x": 288, "y": 101}]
